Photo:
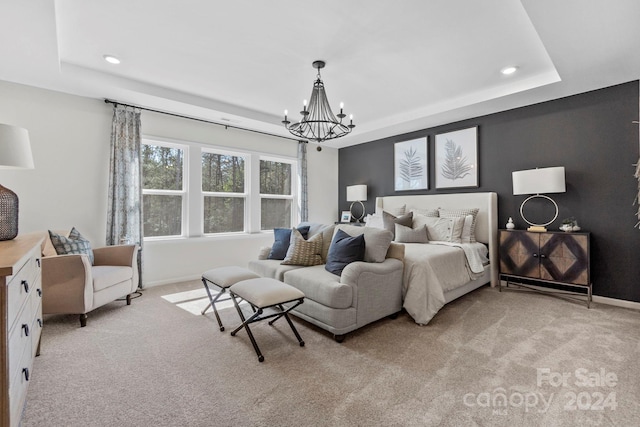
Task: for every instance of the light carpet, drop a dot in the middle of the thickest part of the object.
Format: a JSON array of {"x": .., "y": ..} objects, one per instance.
[{"x": 487, "y": 359}]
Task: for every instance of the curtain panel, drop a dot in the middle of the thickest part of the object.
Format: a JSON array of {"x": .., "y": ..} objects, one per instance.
[
  {"x": 302, "y": 174},
  {"x": 124, "y": 211}
]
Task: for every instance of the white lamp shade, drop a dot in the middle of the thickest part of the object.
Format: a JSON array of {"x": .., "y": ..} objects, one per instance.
[
  {"x": 356, "y": 193},
  {"x": 539, "y": 181},
  {"x": 15, "y": 149}
]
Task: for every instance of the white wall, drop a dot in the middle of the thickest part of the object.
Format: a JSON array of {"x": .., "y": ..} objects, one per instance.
[{"x": 70, "y": 143}]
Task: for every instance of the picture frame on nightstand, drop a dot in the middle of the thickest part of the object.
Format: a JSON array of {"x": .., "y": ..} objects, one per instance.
[{"x": 345, "y": 216}]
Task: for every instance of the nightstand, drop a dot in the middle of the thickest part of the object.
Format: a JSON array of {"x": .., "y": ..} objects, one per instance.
[{"x": 553, "y": 257}]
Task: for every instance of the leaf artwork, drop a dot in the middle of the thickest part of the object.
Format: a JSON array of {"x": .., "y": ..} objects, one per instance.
[
  {"x": 455, "y": 163},
  {"x": 410, "y": 167}
]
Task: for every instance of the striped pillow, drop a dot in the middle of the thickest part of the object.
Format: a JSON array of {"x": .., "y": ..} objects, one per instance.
[
  {"x": 461, "y": 213},
  {"x": 304, "y": 252}
]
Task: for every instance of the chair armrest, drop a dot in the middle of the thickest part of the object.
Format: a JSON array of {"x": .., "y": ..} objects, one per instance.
[
  {"x": 264, "y": 252},
  {"x": 123, "y": 255},
  {"x": 67, "y": 284}
]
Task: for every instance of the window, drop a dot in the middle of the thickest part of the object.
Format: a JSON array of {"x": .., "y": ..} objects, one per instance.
[
  {"x": 223, "y": 188},
  {"x": 192, "y": 189},
  {"x": 276, "y": 196},
  {"x": 162, "y": 189}
]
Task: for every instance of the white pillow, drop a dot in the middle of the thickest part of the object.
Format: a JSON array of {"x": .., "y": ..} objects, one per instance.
[
  {"x": 453, "y": 213},
  {"x": 466, "y": 229},
  {"x": 444, "y": 229},
  {"x": 374, "y": 221}
]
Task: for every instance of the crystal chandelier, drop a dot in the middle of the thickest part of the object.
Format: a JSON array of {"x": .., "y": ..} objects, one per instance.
[{"x": 318, "y": 122}]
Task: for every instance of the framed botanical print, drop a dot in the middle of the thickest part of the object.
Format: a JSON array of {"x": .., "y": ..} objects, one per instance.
[
  {"x": 456, "y": 155},
  {"x": 410, "y": 165}
]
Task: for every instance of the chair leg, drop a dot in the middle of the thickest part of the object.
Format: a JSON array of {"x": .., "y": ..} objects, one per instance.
[
  {"x": 83, "y": 320},
  {"x": 129, "y": 299}
]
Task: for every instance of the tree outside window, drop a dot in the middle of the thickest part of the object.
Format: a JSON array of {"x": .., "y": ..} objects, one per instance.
[
  {"x": 162, "y": 190},
  {"x": 223, "y": 187},
  {"x": 276, "y": 198}
]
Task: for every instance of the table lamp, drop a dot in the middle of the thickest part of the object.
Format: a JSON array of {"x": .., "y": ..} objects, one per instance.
[
  {"x": 15, "y": 153},
  {"x": 357, "y": 194},
  {"x": 538, "y": 181}
]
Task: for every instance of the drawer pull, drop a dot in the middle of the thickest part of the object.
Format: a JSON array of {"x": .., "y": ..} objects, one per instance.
[
  {"x": 25, "y": 372},
  {"x": 39, "y": 291},
  {"x": 25, "y": 328},
  {"x": 25, "y": 284},
  {"x": 535, "y": 255},
  {"x": 40, "y": 322}
]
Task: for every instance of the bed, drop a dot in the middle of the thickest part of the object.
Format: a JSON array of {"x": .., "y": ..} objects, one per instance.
[{"x": 436, "y": 274}]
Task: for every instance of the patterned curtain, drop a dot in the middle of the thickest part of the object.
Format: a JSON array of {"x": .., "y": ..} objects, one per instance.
[
  {"x": 124, "y": 214},
  {"x": 302, "y": 174}
]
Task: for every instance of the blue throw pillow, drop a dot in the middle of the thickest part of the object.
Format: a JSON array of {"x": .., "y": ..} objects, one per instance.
[
  {"x": 344, "y": 250},
  {"x": 281, "y": 238}
]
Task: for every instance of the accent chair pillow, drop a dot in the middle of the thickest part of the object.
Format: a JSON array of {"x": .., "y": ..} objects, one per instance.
[
  {"x": 304, "y": 252},
  {"x": 281, "y": 240},
  {"x": 376, "y": 241},
  {"x": 74, "y": 244},
  {"x": 343, "y": 251},
  {"x": 456, "y": 213},
  {"x": 406, "y": 234}
]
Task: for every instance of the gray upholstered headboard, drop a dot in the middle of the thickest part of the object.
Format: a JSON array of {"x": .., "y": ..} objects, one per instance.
[{"x": 486, "y": 221}]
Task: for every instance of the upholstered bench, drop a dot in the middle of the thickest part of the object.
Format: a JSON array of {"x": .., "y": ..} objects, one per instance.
[
  {"x": 223, "y": 278},
  {"x": 267, "y": 298}
]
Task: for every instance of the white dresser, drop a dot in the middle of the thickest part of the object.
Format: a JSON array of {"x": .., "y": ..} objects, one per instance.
[{"x": 21, "y": 317}]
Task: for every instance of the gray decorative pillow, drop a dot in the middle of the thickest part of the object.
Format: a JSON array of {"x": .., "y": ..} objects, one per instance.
[
  {"x": 444, "y": 229},
  {"x": 74, "y": 244},
  {"x": 456, "y": 213},
  {"x": 389, "y": 221},
  {"x": 376, "y": 241},
  {"x": 411, "y": 235},
  {"x": 433, "y": 213},
  {"x": 400, "y": 210},
  {"x": 304, "y": 252}
]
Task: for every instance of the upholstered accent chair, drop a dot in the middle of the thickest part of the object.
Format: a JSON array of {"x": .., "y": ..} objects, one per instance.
[{"x": 72, "y": 285}]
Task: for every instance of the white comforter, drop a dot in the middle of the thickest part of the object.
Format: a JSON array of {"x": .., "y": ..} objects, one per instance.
[{"x": 432, "y": 269}]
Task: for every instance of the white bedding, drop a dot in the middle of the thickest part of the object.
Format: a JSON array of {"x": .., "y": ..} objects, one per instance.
[{"x": 435, "y": 268}]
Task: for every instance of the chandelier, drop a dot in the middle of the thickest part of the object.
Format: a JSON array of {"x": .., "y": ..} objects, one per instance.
[{"x": 318, "y": 122}]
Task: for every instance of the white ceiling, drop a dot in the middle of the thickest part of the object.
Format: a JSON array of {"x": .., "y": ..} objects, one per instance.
[{"x": 398, "y": 66}]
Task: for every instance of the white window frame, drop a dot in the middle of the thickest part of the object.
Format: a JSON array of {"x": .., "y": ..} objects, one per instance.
[
  {"x": 295, "y": 213},
  {"x": 193, "y": 196},
  {"x": 244, "y": 195},
  {"x": 185, "y": 185}
]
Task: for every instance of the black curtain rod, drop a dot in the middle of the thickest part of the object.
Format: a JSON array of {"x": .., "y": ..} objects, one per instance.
[{"x": 226, "y": 126}]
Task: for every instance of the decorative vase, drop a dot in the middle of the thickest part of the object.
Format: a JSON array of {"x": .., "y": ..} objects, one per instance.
[
  {"x": 510, "y": 224},
  {"x": 8, "y": 214}
]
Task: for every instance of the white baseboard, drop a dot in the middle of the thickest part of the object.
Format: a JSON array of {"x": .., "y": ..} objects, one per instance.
[
  {"x": 617, "y": 302},
  {"x": 172, "y": 280}
]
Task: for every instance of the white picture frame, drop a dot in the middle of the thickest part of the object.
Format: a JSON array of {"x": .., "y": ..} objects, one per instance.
[
  {"x": 345, "y": 216},
  {"x": 410, "y": 165},
  {"x": 456, "y": 163}
]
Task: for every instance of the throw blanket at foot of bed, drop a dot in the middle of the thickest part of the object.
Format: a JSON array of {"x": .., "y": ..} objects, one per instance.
[{"x": 430, "y": 270}]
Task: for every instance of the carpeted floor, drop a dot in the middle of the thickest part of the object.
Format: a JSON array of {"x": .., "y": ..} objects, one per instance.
[{"x": 487, "y": 359}]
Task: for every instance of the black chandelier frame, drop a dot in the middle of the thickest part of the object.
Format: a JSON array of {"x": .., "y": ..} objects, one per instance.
[{"x": 318, "y": 122}]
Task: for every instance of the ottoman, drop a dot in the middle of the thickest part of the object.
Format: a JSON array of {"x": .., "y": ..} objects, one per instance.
[
  {"x": 223, "y": 278},
  {"x": 267, "y": 298}
]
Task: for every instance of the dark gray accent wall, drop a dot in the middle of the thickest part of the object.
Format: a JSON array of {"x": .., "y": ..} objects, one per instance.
[{"x": 590, "y": 134}]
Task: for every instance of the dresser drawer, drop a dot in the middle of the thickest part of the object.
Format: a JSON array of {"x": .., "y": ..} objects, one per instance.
[
  {"x": 36, "y": 330},
  {"x": 18, "y": 387},
  {"x": 20, "y": 339},
  {"x": 20, "y": 286}
]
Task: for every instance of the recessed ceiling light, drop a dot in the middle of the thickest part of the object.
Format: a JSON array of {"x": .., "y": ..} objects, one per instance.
[
  {"x": 111, "y": 59},
  {"x": 509, "y": 70}
]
